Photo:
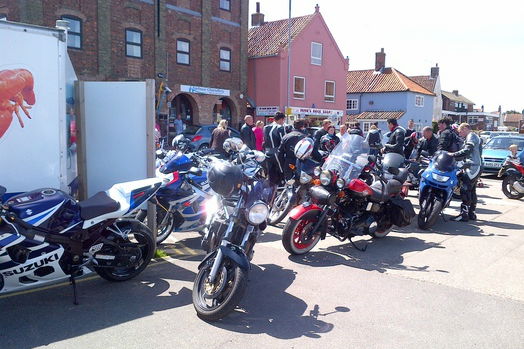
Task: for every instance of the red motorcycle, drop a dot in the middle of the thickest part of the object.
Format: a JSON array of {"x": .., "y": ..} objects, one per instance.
[{"x": 513, "y": 181}]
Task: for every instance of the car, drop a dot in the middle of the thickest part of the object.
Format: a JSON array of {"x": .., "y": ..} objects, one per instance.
[
  {"x": 495, "y": 151},
  {"x": 200, "y": 136},
  {"x": 487, "y": 135}
]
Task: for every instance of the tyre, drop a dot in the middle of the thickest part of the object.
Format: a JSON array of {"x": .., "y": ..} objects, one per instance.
[
  {"x": 507, "y": 188},
  {"x": 203, "y": 146},
  {"x": 165, "y": 222},
  {"x": 427, "y": 217},
  {"x": 294, "y": 233},
  {"x": 381, "y": 232},
  {"x": 140, "y": 253},
  {"x": 281, "y": 206},
  {"x": 214, "y": 302}
]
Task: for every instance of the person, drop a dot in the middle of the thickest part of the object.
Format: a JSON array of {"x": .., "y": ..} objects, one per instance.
[
  {"x": 258, "y": 130},
  {"x": 374, "y": 139},
  {"x": 395, "y": 144},
  {"x": 286, "y": 150},
  {"x": 218, "y": 136},
  {"x": 273, "y": 135},
  {"x": 343, "y": 130},
  {"x": 427, "y": 143},
  {"x": 356, "y": 130},
  {"x": 409, "y": 141},
  {"x": 179, "y": 124},
  {"x": 246, "y": 132},
  {"x": 317, "y": 136},
  {"x": 469, "y": 176},
  {"x": 447, "y": 140},
  {"x": 329, "y": 141},
  {"x": 513, "y": 156}
]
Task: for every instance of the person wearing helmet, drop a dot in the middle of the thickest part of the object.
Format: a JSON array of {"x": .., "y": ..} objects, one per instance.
[
  {"x": 181, "y": 143},
  {"x": 286, "y": 151},
  {"x": 329, "y": 141}
]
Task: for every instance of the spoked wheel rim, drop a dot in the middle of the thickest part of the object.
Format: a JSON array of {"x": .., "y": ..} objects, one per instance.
[
  {"x": 212, "y": 296},
  {"x": 299, "y": 238},
  {"x": 509, "y": 187},
  {"x": 164, "y": 227},
  {"x": 279, "y": 205}
]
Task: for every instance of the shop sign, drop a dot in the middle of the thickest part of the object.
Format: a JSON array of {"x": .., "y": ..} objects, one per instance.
[
  {"x": 316, "y": 111},
  {"x": 204, "y": 90},
  {"x": 267, "y": 111}
]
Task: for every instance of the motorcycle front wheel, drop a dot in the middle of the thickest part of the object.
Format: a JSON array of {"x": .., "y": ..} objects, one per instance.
[
  {"x": 165, "y": 222},
  {"x": 429, "y": 212},
  {"x": 214, "y": 301},
  {"x": 508, "y": 190},
  {"x": 281, "y": 206},
  {"x": 294, "y": 235}
]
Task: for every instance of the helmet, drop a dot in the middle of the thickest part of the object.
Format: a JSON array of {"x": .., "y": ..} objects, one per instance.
[
  {"x": 181, "y": 143},
  {"x": 444, "y": 162},
  {"x": 288, "y": 128},
  {"x": 225, "y": 178},
  {"x": 233, "y": 144},
  {"x": 328, "y": 143},
  {"x": 304, "y": 148}
]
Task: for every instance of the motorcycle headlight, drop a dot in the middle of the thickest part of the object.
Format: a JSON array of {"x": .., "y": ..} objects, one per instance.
[
  {"x": 439, "y": 178},
  {"x": 304, "y": 178},
  {"x": 210, "y": 208},
  {"x": 257, "y": 214},
  {"x": 340, "y": 183},
  {"x": 317, "y": 171},
  {"x": 325, "y": 177}
]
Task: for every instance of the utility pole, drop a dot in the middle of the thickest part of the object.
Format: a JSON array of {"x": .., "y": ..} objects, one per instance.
[{"x": 289, "y": 60}]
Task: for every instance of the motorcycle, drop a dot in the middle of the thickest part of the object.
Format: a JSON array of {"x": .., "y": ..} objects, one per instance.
[
  {"x": 236, "y": 216},
  {"x": 179, "y": 201},
  {"x": 47, "y": 236},
  {"x": 513, "y": 181},
  {"x": 436, "y": 188},
  {"x": 344, "y": 205}
]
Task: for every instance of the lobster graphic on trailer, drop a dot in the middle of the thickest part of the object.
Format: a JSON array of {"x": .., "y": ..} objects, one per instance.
[{"x": 16, "y": 87}]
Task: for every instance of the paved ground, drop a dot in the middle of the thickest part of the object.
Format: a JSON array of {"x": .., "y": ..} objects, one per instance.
[{"x": 457, "y": 286}]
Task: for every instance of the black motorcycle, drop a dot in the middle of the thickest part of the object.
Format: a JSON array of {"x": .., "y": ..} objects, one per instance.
[
  {"x": 345, "y": 205},
  {"x": 236, "y": 216}
]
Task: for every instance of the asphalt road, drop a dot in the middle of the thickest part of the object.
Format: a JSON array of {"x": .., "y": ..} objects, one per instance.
[{"x": 459, "y": 285}]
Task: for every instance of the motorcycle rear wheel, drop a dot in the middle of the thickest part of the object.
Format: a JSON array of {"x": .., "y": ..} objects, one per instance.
[
  {"x": 294, "y": 232},
  {"x": 427, "y": 217},
  {"x": 163, "y": 230},
  {"x": 281, "y": 207},
  {"x": 507, "y": 184},
  {"x": 232, "y": 285}
]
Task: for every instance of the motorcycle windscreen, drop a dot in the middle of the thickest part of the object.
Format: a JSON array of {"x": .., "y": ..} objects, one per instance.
[
  {"x": 263, "y": 190},
  {"x": 348, "y": 158}
]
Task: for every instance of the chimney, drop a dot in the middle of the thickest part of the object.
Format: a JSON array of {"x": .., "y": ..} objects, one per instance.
[
  {"x": 317, "y": 8},
  {"x": 257, "y": 19},
  {"x": 380, "y": 60},
  {"x": 456, "y": 92},
  {"x": 435, "y": 71}
]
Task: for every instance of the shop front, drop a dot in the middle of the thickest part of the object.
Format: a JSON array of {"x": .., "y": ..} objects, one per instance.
[{"x": 315, "y": 116}]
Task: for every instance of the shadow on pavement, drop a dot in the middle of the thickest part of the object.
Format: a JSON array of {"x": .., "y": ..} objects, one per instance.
[
  {"x": 49, "y": 316},
  {"x": 269, "y": 309},
  {"x": 381, "y": 255},
  {"x": 270, "y": 237}
]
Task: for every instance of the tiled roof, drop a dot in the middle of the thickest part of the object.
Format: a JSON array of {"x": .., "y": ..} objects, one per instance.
[
  {"x": 425, "y": 81},
  {"x": 377, "y": 115},
  {"x": 455, "y": 98},
  {"x": 512, "y": 117},
  {"x": 269, "y": 38},
  {"x": 387, "y": 80}
]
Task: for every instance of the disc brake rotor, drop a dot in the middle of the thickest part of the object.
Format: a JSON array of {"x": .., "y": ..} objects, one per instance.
[{"x": 212, "y": 290}]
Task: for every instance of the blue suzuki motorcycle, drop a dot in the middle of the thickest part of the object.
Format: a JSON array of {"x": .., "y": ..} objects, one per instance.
[
  {"x": 47, "y": 236},
  {"x": 179, "y": 201},
  {"x": 436, "y": 188}
]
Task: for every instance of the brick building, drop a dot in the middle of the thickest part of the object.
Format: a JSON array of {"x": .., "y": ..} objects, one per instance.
[{"x": 199, "y": 45}]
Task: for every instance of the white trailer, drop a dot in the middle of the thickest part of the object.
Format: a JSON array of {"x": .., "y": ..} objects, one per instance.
[{"x": 36, "y": 77}]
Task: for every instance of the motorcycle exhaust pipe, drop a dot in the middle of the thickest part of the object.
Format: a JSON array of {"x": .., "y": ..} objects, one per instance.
[{"x": 518, "y": 187}]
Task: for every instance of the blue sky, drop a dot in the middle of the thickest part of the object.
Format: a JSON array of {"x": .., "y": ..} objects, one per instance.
[{"x": 479, "y": 45}]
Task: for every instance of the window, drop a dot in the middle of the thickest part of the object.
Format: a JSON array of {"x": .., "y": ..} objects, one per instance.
[
  {"x": 182, "y": 51},
  {"x": 419, "y": 101},
  {"x": 316, "y": 53},
  {"x": 366, "y": 125},
  {"x": 225, "y": 59},
  {"x": 225, "y": 5},
  {"x": 299, "y": 87},
  {"x": 133, "y": 43},
  {"x": 352, "y": 104},
  {"x": 329, "y": 91},
  {"x": 74, "y": 35}
]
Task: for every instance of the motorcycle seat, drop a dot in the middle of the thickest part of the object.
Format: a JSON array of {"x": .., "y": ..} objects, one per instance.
[
  {"x": 97, "y": 205},
  {"x": 380, "y": 192},
  {"x": 402, "y": 175}
]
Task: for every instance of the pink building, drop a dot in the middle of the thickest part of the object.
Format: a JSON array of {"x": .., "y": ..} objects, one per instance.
[{"x": 318, "y": 68}]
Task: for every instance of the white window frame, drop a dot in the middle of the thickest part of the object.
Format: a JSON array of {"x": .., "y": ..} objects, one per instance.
[
  {"x": 225, "y": 5},
  {"x": 330, "y": 98},
  {"x": 419, "y": 101},
  {"x": 298, "y": 92},
  {"x": 314, "y": 59},
  {"x": 366, "y": 125},
  {"x": 348, "y": 104}
]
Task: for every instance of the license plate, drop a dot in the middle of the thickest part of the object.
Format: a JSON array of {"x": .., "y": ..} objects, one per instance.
[{"x": 492, "y": 164}]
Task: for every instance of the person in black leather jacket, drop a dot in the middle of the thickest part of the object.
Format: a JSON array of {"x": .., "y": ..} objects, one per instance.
[
  {"x": 428, "y": 142},
  {"x": 246, "y": 133},
  {"x": 447, "y": 139},
  {"x": 395, "y": 143},
  {"x": 273, "y": 135},
  {"x": 317, "y": 136},
  {"x": 286, "y": 151}
]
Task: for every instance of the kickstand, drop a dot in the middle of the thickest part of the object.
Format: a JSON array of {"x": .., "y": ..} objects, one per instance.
[
  {"x": 73, "y": 283},
  {"x": 443, "y": 216},
  {"x": 361, "y": 249}
]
